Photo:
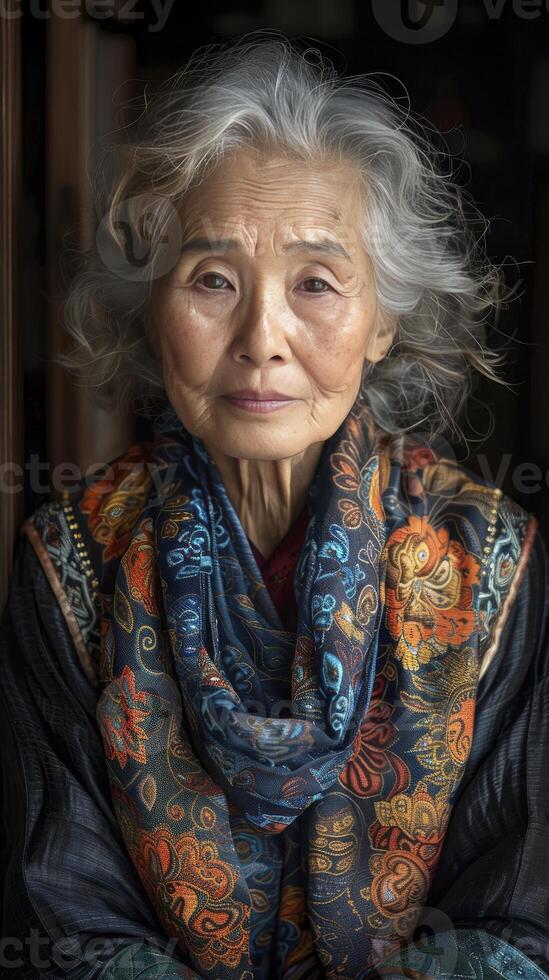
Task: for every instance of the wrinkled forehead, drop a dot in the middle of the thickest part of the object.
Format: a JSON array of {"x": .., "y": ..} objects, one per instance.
[{"x": 276, "y": 199}]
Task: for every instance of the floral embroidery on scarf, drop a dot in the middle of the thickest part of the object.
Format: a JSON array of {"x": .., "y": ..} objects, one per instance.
[{"x": 428, "y": 592}]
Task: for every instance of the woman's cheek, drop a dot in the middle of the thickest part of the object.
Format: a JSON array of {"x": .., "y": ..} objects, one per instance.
[
  {"x": 191, "y": 353},
  {"x": 338, "y": 367},
  {"x": 338, "y": 348}
]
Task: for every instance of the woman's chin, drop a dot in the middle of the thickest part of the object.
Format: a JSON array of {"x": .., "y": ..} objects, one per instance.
[
  {"x": 261, "y": 437},
  {"x": 267, "y": 446}
]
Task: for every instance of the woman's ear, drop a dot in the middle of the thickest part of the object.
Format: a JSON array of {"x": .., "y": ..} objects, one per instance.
[{"x": 382, "y": 338}]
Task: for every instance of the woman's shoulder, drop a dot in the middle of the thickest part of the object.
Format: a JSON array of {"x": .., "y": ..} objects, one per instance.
[
  {"x": 79, "y": 538},
  {"x": 489, "y": 536},
  {"x": 454, "y": 488},
  {"x": 107, "y": 501},
  {"x": 418, "y": 480}
]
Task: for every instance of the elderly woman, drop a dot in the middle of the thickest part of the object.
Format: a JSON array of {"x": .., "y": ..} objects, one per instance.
[{"x": 275, "y": 685}]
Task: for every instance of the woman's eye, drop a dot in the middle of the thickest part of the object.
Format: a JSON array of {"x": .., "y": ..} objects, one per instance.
[
  {"x": 322, "y": 282},
  {"x": 213, "y": 286},
  {"x": 215, "y": 282}
]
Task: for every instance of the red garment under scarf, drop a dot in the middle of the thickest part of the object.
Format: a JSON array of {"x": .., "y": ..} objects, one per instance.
[{"x": 278, "y": 569}]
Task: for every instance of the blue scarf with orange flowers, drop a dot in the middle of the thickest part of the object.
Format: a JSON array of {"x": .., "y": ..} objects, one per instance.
[{"x": 284, "y": 796}]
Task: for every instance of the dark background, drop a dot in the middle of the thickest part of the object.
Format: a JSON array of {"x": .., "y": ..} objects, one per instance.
[{"x": 484, "y": 83}]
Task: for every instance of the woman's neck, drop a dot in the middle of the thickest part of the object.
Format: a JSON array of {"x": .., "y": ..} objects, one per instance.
[{"x": 268, "y": 495}]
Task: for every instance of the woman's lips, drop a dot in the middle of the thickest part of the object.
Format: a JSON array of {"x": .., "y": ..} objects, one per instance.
[{"x": 260, "y": 405}]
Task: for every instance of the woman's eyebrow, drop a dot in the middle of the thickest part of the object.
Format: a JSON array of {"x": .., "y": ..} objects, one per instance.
[{"x": 326, "y": 246}]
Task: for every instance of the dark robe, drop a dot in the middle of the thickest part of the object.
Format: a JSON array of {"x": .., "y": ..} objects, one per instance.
[{"x": 73, "y": 903}]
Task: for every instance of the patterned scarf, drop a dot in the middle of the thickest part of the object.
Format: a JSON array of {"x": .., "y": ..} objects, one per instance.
[{"x": 284, "y": 796}]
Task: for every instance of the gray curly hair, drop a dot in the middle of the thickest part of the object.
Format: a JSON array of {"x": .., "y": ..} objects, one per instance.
[{"x": 433, "y": 279}]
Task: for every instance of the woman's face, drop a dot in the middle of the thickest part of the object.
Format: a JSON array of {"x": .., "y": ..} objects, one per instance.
[{"x": 273, "y": 292}]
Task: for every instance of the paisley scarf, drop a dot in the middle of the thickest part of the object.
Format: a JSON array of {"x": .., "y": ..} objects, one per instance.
[{"x": 284, "y": 796}]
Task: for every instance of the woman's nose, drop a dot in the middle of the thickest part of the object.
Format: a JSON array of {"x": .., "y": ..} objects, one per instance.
[{"x": 262, "y": 333}]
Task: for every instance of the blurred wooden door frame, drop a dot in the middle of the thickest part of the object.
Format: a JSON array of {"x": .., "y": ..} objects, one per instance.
[
  {"x": 85, "y": 66},
  {"x": 11, "y": 395}
]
